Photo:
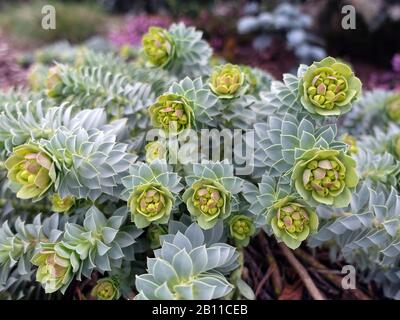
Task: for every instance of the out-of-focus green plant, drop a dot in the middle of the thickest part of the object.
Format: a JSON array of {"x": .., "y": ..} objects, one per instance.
[{"x": 74, "y": 21}]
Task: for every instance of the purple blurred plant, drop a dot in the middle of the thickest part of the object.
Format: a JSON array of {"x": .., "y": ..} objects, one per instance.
[
  {"x": 389, "y": 80},
  {"x": 11, "y": 73},
  {"x": 135, "y": 26},
  {"x": 396, "y": 62}
]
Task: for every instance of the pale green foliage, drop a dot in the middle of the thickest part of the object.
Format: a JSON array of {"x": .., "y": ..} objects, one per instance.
[
  {"x": 90, "y": 118},
  {"x": 101, "y": 243},
  {"x": 186, "y": 269}
]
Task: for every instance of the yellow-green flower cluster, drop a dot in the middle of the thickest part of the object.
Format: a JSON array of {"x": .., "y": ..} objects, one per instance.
[
  {"x": 158, "y": 46},
  {"x": 325, "y": 176},
  {"x": 172, "y": 113},
  {"x": 329, "y": 87},
  {"x": 241, "y": 228},
  {"x": 292, "y": 222},
  {"x": 150, "y": 203},
  {"x": 227, "y": 81},
  {"x": 32, "y": 170}
]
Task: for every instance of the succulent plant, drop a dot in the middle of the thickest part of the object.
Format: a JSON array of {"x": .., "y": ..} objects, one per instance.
[
  {"x": 293, "y": 222},
  {"x": 53, "y": 82},
  {"x": 179, "y": 50},
  {"x": 101, "y": 243},
  {"x": 325, "y": 176},
  {"x": 155, "y": 150},
  {"x": 154, "y": 233},
  {"x": 106, "y": 289},
  {"x": 150, "y": 190},
  {"x": 311, "y": 183},
  {"x": 56, "y": 266},
  {"x": 31, "y": 169},
  {"x": 281, "y": 211},
  {"x": 329, "y": 87},
  {"x": 158, "y": 46},
  {"x": 393, "y": 108},
  {"x": 184, "y": 268},
  {"x": 172, "y": 113},
  {"x": 61, "y": 204},
  {"x": 241, "y": 229},
  {"x": 94, "y": 164},
  {"x": 352, "y": 143},
  {"x": 228, "y": 81},
  {"x": 210, "y": 193}
]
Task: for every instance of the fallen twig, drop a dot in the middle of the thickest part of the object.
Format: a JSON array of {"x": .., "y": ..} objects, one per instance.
[
  {"x": 302, "y": 272},
  {"x": 264, "y": 280},
  {"x": 324, "y": 271},
  {"x": 276, "y": 274}
]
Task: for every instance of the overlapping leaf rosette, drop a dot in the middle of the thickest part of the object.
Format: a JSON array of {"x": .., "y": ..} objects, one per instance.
[
  {"x": 371, "y": 110},
  {"x": 241, "y": 228},
  {"x": 393, "y": 107},
  {"x": 187, "y": 104},
  {"x": 283, "y": 139},
  {"x": 186, "y": 268},
  {"x": 91, "y": 162},
  {"x": 151, "y": 192},
  {"x": 366, "y": 234},
  {"x": 210, "y": 193},
  {"x": 56, "y": 266},
  {"x": 101, "y": 243},
  {"x": 20, "y": 240},
  {"x": 231, "y": 84},
  {"x": 325, "y": 176},
  {"x": 281, "y": 211},
  {"x": 329, "y": 87},
  {"x": 106, "y": 289},
  {"x": 179, "y": 50},
  {"x": 31, "y": 171}
]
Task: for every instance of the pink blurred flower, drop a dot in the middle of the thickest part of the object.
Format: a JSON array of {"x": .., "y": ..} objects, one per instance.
[
  {"x": 134, "y": 28},
  {"x": 396, "y": 62}
]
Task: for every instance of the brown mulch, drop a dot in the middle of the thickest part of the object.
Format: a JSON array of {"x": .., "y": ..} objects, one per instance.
[{"x": 276, "y": 272}]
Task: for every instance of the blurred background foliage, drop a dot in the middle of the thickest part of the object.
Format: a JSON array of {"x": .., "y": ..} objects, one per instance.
[{"x": 274, "y": 35}]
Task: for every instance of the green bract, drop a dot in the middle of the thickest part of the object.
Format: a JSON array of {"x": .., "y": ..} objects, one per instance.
[
  {"x": 31, "y": 169},
  {"x": 241, "y": 228},
  {"x": 352, "y": 143},
  {"x": 61, "y": 204},
  {"x": 154, "y": 232},
  {"x": 207, "y": 201},
  {"x": 393, "y": 108},
  {"x": 150, "y": 203},
  {"x": 250, "y": 78},
  {"x": 292, "y": 222},
  {"x": 54, "y": 82},
  {"x": 155, "y": 150},
  {"x": 396, "y": 146},
  {"x": 106, "y": 289},
  {"x": 325, "y": 176},
  {"x": 158, "y": 46},
  {"x": 171, "y": 112},
  {"x": 210, "y": 192},
  {"x": 329, "y": 87},
  {"x": 227, "y": 81},
  {"x": 186, "y": 268},
  {"x": 57, "y": 266},
  {"x": 150, "y": 192}
]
